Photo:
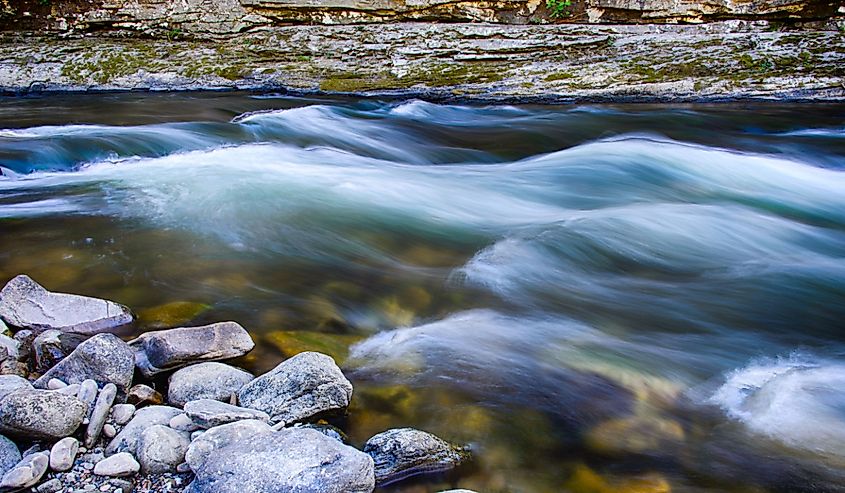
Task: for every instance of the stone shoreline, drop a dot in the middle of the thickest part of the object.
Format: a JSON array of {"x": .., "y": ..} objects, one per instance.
[
  {"x": 78, "y": 413},
  {"x": 720, "y": 61}
]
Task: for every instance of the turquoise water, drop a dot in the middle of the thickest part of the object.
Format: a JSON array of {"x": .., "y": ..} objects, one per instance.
[{"x": 641, "y": 298}]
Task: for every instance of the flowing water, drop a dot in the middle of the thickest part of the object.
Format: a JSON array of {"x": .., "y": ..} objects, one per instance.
[{"x": 596, "y": 299}]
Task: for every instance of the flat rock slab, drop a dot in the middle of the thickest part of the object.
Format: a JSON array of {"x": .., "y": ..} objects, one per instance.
[
  {"x": 163, "y": 350},
  {"x": 301, "y": 387},
  {"x": 103, "y": 358},
  {"x": 26, "y": 304},
  {"x": 404, "y": 452},
  {"x": 298, "y": 459},
  {"x": 208, "y": 413},
  {"x": 40, "y": 414},
  {"x": 210, "y": 380}
]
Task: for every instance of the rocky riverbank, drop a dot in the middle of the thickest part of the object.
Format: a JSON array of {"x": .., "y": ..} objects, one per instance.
[
  {"x": 78, "y": 411},
  {"x": 495, "y": 62}
]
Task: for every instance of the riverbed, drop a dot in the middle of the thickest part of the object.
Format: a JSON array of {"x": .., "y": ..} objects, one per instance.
[{"x": 594, "y": 298}]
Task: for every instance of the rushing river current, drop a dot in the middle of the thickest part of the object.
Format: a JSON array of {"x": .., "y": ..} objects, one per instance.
[{"x": 597, "y": 299}]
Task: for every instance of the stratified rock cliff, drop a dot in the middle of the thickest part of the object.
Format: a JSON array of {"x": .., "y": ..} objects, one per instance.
[{"x": 234, "y": 16}]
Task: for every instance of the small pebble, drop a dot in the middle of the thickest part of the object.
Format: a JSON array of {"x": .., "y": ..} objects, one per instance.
[
  {"x": 55, "y": 384},
  {"x": 87, "y": 466},
  {"x": 109, "y": 431}
]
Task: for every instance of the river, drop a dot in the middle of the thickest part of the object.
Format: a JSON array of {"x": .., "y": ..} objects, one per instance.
[{"x": 596, "y": 298}]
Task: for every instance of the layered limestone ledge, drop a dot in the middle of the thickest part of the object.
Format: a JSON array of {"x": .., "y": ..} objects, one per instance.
[
  {"x": 165, "y": 18},
  {"x": 467, "y": 61}
]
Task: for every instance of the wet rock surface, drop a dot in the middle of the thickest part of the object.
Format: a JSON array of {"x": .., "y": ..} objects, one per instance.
[
  {"x": 301, "y": 387},
  {"x": 404, "y": 452},
  {"x": 26, "y": 304}
]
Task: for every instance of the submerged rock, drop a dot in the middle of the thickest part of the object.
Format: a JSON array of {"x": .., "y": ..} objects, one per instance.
[
  {"x": 171, "y": 314},
  {"x": 26, "y": 304},
  {"x": 103, "y": 358},
  {"x": 404, "y": 452},
  {"x": 220, "y": 436},
  {"x": 298, "y": 459},
  {"x": 211, "y": 380},
  {"x": 160, "y": 449},
  {"x": 168, "y": 349},
  {"x": 127, "y": 439},
  {"x": 298, "y": 388},
  {"x": 9, "y": 455},
  {"x": 208, "y": 413},
  {"x": 40, "y": 414}
]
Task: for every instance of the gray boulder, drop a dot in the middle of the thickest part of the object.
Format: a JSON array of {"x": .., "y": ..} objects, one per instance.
[
  {"x": 300, "y": 460},
  {"x": 404, "y": 452},
  {"x": 208, "y": 413},
  {"x": 9, "y": 455},
  {"x": 103, "y": 358},
  {"x": 127, "y": 439},
  {"x": 11, "y": 383},
  {"x": 160, "y": 449},
  {"x": 220, "y": 436},
  {"x": 168, "y": 349},
  {"x": 26, "y": 304},
  {"x": 26, "y": 473},
  {"x": 40, "y": 414},
  {"x": 211, "y": 380},
  {"x": 301, "y": 387}
]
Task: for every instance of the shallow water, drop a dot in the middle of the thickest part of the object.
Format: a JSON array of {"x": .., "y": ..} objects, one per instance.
[{"x": 595, "y": 298}]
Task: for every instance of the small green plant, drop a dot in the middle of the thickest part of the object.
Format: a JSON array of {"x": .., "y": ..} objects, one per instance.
[
  {"x": 173, "y": 34},
  {"x": 44, "y": 3},
  {"x": 559, "y": 9}
]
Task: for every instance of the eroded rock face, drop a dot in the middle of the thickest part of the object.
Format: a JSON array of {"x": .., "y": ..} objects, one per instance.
[
  {"x": 40, "y": 414},
  {"x": 103, "y": 358},
  {"x": 168, "y": 349},
  {"x": 298, "y": 459},
  {"x": 26, "y": 304},
  {"x": 218, "y": 17},
  {"x": 208, "y": 413},
  {"x": 301, "y": 387},
  {"x": 211, "y": 380},
  {"x": 404, "y": 452}
]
